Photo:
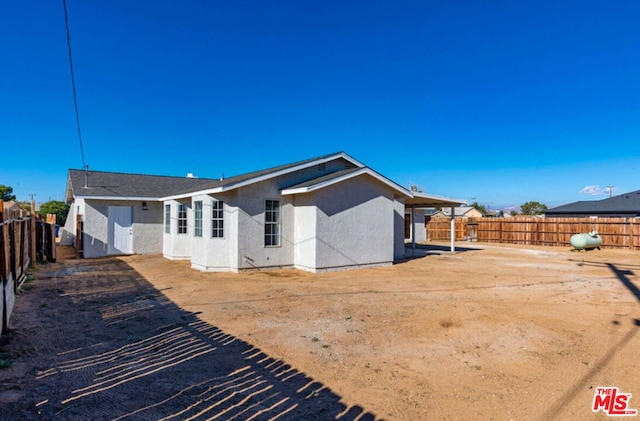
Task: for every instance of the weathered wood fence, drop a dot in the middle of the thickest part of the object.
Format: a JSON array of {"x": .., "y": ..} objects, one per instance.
[
  {"x": 621, "y": 233},
  {"x": 23, "y": 240},
  {"x": 16, "y": 253}
]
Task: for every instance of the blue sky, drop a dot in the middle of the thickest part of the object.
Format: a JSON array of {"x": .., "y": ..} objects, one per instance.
[{"x": 502, "y": 102}]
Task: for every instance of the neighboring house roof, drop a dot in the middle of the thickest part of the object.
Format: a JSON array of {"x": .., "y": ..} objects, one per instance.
[
  {"x": 461, "y": 211},
  {"x": 12, "y": 210},
  {"x": 627, "y": 204},
  {"x": 10, "y": 205},
  {"x": 432, "y": 212}
]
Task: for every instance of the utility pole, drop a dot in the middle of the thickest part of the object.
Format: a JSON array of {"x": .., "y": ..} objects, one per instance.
[{"x": 33, "y": 203}]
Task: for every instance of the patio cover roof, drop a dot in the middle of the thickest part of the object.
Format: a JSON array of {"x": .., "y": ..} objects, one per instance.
[{"x": 423, "y": 200}]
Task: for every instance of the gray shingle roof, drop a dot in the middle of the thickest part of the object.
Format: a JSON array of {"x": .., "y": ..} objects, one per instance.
[
  {"x": 326, "y": 177},
  {"x": 624, "y": 204},
  {"x": 212, "y": 184},
  {"x": 113, "y": 184}
]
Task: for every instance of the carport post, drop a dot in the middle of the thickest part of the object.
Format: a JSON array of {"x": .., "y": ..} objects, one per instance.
[
  {"x": 453, "y": 230},
  {"x": 413, "y": 227}
]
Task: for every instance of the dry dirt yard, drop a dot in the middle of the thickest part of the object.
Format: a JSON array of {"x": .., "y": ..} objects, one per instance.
[{"x": 492, "y": 332}]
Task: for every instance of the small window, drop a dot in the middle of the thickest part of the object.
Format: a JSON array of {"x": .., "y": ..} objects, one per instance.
[
  {"x": 197, "y": 219},
  {"x": 272, "y": 223},
  {"x": 167, "y": 219},
  {"x": 182, "y": 218},
  {"x": 217, "y": 219}
]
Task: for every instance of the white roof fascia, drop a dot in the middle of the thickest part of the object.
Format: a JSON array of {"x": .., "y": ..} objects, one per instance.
[
  {"x": 289, "y": 170},
  {"x": 418, "y": 195},
  {"x": 336, "y": 180},
  {"x": 437, "y": 197},
  {"x": 195, "y": 193},
  {"x": 258, "y": 179},
  {"x": 145, "y": 199}
]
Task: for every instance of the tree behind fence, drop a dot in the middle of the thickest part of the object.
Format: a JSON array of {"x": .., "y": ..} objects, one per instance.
[{"x": 621, "y": 233}]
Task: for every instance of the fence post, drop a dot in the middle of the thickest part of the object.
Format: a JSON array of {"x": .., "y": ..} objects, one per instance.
[
  {"x": 33, "y": 251},
  {"x": 5, "y": 255},
  {"x": 4, "y": 261}
]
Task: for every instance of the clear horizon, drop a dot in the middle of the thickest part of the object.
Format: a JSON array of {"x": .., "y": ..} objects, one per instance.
[{"x": 496, "y": 102}]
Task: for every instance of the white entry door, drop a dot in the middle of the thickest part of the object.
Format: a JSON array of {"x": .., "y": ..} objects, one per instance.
[{"x": 120, "y": 230}]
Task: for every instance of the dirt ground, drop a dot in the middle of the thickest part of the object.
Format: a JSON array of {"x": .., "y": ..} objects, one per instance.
[{"x": 492, "y": 332}]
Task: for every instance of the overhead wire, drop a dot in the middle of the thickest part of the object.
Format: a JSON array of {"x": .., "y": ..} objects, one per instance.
[{"x": 73, "y": 83}]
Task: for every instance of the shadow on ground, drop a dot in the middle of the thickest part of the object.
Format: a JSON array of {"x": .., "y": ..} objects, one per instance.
[
  {"x": 625, "y": 276},
  {"x": 422, "y": 250},
  {"x": 115, "y": 348}
]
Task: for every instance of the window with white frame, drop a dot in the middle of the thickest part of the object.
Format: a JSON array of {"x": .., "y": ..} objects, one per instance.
[
  {"x": 272, "y": 223},
  {"x": 182, "y": 218},
  {"x": 217, "y": 219},
  {"x": 167, "y": 219},
  {"x": 197, "y": 218}
]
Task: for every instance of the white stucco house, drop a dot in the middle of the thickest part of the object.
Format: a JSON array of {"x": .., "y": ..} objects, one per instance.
[{"x": 326, "y": 213}]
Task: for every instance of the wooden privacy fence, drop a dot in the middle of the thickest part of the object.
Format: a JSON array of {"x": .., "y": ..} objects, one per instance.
[
  {"x": 23, "y": 240},
  {"x": 16, "y": 253},
  {"x": 621, "y": 233},
  {"x": 439, "y": 229}
]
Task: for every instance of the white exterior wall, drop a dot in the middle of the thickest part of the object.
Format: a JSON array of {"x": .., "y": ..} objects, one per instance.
[
  {"x": 68, "y": 234},
  {"x": 252, "y": 253},
  {"x": 216, "y": 254},
  {"x": 398, "y": 225},
  {"x": 96, "y": 230},
  {"x": 355, "y": 225},
  {"x": 177, "y": 246},
  {"x": 147, "y": 228},
  {"x": 146, "y": 239},
  {"x": 244, "y": 212},
  {"x": 420, "y": 233}
]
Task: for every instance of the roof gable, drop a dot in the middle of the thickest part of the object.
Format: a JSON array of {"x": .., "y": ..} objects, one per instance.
[
  {"x": 339, "y": 176},
  {"x": 110, "y": 185},
  {"x": 231, "y": 183}
]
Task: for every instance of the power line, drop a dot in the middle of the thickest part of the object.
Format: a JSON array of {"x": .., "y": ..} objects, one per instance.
[{"x": 73, "y": 82}]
